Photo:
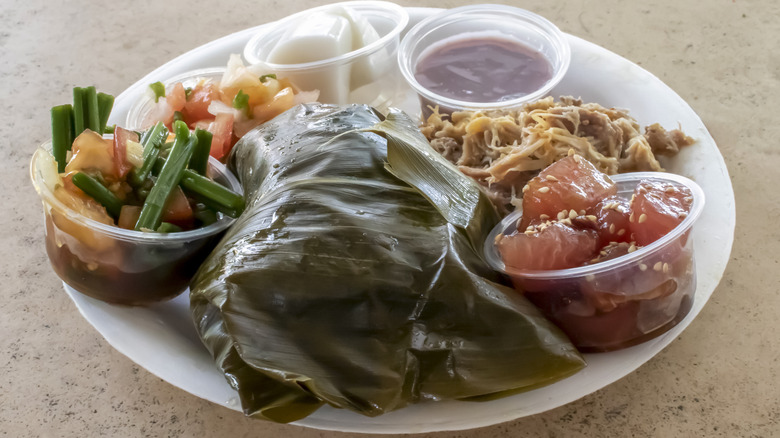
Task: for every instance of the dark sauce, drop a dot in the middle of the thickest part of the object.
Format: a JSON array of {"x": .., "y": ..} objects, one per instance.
[{"x": 483, "y": 70}]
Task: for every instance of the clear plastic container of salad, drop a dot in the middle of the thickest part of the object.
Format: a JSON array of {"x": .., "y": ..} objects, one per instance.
[
  {"x": 142, "y": 114},
  {"x": 117, "y": 265},
  {"x": 621, "y": 301}
]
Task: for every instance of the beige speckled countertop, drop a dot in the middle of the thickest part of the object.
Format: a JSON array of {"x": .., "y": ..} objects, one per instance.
[{"x": 60, "y": 378}]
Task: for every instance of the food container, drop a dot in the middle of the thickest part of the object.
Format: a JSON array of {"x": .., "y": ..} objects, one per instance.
[
  {"x": 139, "y": 116},
  {"x": 487, "y": 22},
  {"x": 116, "y": 265},
  {"x": 368, "y": 75},
  {"x": 619, "y": 302}
]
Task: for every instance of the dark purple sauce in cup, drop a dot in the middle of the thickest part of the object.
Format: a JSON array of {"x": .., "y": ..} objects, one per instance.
[{"x": 483, "y": 69}]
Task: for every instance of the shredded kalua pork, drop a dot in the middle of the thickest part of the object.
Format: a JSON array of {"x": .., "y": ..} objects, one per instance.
[{"x": 504, "y": 149}]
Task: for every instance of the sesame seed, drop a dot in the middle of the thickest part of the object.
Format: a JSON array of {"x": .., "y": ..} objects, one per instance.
[
  {"x": 631, "y": 218},
  {"x": 590, "y": 277},
  {"x": 612, "y": 228},
  {"x": 621, "y": 232},
  {"x": 525, "y": 188},
  {"x": 642, "y": 218},
  {"x": 572, "y": 214},
  {"x": 566, "y": 221},
  {"x": 544, "y": 217},
  {"x": 562, "y": 215},
  {"x": 642, "y": 267},
  {"x": 582, "y": 212},
  {"x": 632, "y": 248},
  {"x": 528, "y": 233},
  {"x": 682, "y": 215},
  {"x": 670, "y": 189},
  {"x": 666, "y": 268},
  {"x": 571, "y": 152},
  {"x": 530, "y": 228},
  {"x": 577, "y": 159},
  {"x": 658, "y": 266},
  {"x": 688, "y": 199},
  {"x": 551, "y": 178},
  {"x": 544, "y": 189},
  {"x": 591, "y": 218}
]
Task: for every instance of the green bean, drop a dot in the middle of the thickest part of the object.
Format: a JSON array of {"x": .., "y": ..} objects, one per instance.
[
  {"x": 91, "y": 110},
  {"x": 214, "y": 205},
  {"x": 99, "y": 192},
  {"x": 200, "y": 156},
  {"x": 105, "y": 104},
  {"x": 61, "y": 134},
  {"x": 78, "y": 111},
  {"x": 169, "y": 178},
  {"x": 151, "y": 139},
  {"x": 159, "y": 162},
  {"x": 167, "y": 227},
  {"x": 204, "y": 214},
  {"x": 221, "y": 198}
]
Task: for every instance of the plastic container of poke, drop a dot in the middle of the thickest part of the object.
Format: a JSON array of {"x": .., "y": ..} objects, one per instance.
[{"x": 622, "y": 301}]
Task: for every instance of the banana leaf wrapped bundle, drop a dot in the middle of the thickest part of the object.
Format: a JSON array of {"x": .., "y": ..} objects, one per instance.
[{"x": 354, "y": 276}]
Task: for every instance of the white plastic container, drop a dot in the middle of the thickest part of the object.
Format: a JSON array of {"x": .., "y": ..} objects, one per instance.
[{"x": 368, "y": 74}]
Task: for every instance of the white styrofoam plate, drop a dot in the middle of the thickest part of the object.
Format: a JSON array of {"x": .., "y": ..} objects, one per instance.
[{"x": 162, "y": 338}]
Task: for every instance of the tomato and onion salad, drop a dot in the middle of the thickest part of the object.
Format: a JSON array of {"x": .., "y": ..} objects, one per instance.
[{"x": 228, "y": 106}]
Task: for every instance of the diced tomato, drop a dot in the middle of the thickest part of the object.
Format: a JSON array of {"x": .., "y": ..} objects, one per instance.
[
  {"x": 222, "y": 130},
  {"x": 128, "y": 216},
  {"x": 612, "y": 220},
  {"x": 197, "y": 106},
  {"x": 177, "y": 97},
  {"x": 657, "y": 208},
  {"x": 121, "y": 165},
  {"x": 92, "y": 153},
  {"x": 554, "y": 246},
  {"x": 177, "y": 207},
  {"x": 572, "y": 183}
]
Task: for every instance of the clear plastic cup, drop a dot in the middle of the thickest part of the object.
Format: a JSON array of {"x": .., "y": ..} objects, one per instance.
[
  {"x": 475, "y": 22},
  {"x": 116, "y": 265},
  {"x": 368, "y": 75},
  {"x": 620, "y": 302},
  {"x": 140, "y": 115}
]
